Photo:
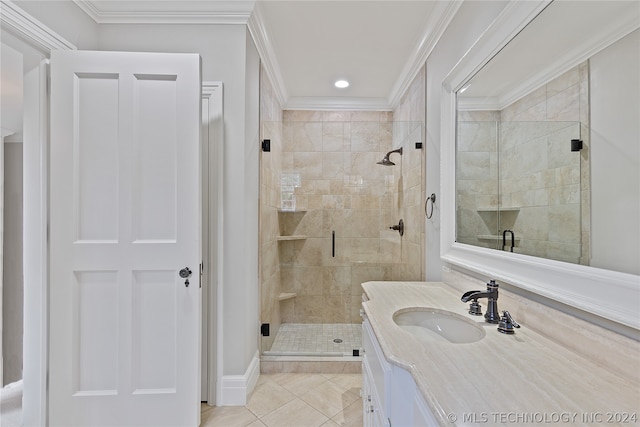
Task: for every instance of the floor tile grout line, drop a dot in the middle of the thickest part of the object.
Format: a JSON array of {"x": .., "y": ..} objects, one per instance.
[{"x": 345, "y": 388}]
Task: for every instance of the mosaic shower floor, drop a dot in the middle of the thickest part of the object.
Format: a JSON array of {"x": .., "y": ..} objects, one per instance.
[{"x": 304, "y": 339}]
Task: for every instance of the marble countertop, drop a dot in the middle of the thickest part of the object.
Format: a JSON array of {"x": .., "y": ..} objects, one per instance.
[{"x": 516, "y": 379}]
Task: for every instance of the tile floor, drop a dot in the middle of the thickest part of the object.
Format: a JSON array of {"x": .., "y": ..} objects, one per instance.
[
  {"x": 294, "y": 400},
  {"x": 307, "y": 338}
]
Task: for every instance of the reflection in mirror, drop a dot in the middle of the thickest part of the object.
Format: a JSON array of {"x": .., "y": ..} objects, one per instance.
[
  {"x": 518, "y": 187},
  {"x": 527, "y": 128}
]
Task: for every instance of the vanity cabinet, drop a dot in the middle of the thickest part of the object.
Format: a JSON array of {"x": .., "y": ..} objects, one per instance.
[
  {"x": 390, "y": 397},
  {"x": 376, "y": 373},
  {"x": 373, "y": 414}
]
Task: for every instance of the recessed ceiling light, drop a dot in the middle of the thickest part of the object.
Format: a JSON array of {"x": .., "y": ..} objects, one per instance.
[{"x": 341, "y": 84}]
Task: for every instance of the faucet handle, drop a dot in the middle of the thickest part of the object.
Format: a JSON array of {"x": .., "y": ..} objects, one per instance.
[{"x": 507, "y": 323}]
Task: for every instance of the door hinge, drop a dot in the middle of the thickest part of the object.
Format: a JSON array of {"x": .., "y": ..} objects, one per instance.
[{"x": 264, "y": 329}]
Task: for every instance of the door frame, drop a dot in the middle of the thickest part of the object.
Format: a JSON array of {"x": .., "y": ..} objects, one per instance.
[
  {"x": 36, "y": 196},
  {"x": 212, "y": 229}
]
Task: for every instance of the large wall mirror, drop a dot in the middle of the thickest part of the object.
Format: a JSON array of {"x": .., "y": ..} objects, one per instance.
[{"x": 540, "y": 122}]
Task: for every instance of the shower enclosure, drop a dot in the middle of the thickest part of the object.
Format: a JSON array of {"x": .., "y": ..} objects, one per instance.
[
  {"x": 518, "y": 187},
  {"x": 327, "y": 209}
]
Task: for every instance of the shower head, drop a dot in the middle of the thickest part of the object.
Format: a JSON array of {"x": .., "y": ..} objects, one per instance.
[{"x": 385, "y": 160}]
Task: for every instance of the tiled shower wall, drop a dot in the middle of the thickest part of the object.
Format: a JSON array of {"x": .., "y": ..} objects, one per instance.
[
  {"x": 544, "y": 184},
  {"x": 342, "y": 189},
  {"x": 343, "y": 192}
]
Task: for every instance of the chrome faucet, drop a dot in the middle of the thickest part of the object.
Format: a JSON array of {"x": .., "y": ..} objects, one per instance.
[{"x": 491, "y": 294}]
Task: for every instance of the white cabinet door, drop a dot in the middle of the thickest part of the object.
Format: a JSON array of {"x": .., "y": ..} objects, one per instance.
[{"x": 124, "y": 221}]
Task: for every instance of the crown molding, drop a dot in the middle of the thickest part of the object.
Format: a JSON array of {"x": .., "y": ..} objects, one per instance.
[
  {"x": 261, "y": 37},
  {"x": 326, "y": 103},
  {"x": 433, "y": 30},
  {"x": 478, "y": 104},
  {"x": 225, "y": 12},
  {"x": 249, "y": 13},
  {"x": 19, "y": 22}
]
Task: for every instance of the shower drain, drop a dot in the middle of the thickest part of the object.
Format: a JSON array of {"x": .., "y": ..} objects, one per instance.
[{"x": 337, "y": 340}]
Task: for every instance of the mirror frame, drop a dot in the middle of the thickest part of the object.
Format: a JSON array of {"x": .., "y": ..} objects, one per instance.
[{"x": 609, "y": 294}]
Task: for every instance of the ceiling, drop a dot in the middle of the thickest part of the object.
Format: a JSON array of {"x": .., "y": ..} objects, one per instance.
[{"x": 306, "y": 45}]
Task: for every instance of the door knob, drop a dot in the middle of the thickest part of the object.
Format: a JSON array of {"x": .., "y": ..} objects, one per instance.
[{"x": 185, "y": 273}]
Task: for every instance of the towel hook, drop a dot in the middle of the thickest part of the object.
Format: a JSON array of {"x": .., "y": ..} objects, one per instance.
[{"x": 429, "y": 212}]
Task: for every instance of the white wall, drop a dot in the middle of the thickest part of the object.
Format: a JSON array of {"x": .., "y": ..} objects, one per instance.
[
  {"x": 11, "y": 287},
  {"x": 66, "y": 19},
  {"x": 228, "y": 55},
  {"x": 465, "y": 28},
  {"x": 615, "y": 156},
  {"x": 12, "y": 283},
  {"x": 11, "y": 93}
]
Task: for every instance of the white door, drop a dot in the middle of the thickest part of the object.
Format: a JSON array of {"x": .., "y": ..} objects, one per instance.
[{"x": 124, "y": 222}]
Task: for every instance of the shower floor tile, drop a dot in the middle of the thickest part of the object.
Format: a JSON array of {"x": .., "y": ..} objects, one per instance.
[{"x": 339, "y": 339}]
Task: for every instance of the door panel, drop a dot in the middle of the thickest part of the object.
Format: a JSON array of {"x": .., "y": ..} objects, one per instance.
[{"x": 124, "y": 220}]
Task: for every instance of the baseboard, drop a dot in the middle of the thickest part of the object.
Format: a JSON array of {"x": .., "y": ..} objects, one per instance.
[{"x": 236, "y": 388}]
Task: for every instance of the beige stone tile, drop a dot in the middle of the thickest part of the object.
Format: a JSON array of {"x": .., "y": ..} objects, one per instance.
[
  {"x": 307, "y": 136},
  {"x": 330, "y": 423},
  {"x": 332, "y": 165},
  {"x": 329, "y": 398},
  {"x": 351, "y": 416},
  {"x": 276, "y": 368},
  {"x": 565, "y": 105},
  {"x": 364, "y": 223},
  {"x": 308, "y": 309},
  {"x": 365, "y": 136},
  {"x": 300, "y": 384},
  {"x": 336, "y": 281},
  {"x": 336, "y": 202},
  {"x": 347, "y": 381},
  {"x": 333, "y": 137},
  {"x": 308, "y": 164},
  {"x": 257, "y": 423},
  {"x": 564, "y": 81},
  {"x": 227, "y": 416},
  {"x": 337, "y": 308},
  {"x": 336, "y": 116},
  {"x": 302, "y": 116},
  {"x": 295, "y": 414},
  {"x": 367, "y": 116},
  {"x": 309, "y": 251},
  {"x": 267, "y": 397},
  {"x": 308, "y": 280}
]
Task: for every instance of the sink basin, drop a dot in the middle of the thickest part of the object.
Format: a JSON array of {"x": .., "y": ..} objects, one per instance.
[{"x": 435, "y": 325}]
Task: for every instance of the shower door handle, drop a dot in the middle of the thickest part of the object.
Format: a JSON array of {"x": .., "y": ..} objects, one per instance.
[{"x": 333, "y": 243}]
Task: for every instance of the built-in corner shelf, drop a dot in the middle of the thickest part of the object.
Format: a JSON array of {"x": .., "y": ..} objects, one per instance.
[
  {"x": 286, "y": 295},
  {"x": 492, "y": 237},
  {"x": 290, "y": 211},
  {"x": 498, "y": 209},
  {"x": 294, "y": 237}
]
